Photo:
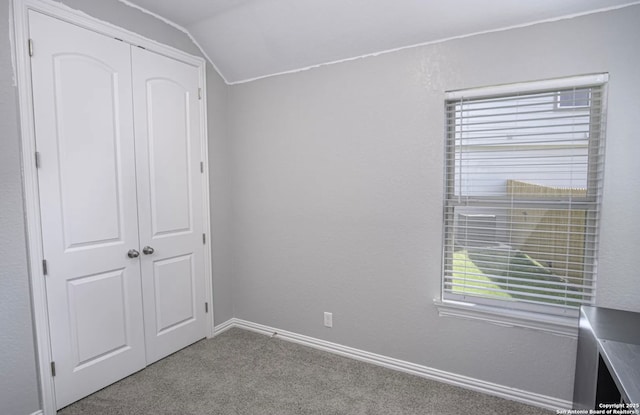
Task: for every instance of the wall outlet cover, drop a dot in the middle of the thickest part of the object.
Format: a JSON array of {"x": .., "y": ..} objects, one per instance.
[{"x": 328, "y": 319}]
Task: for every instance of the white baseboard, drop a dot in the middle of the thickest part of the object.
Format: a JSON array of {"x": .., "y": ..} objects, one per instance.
[
  {"x": 518, "y": 395},
  {"x": 38, "y": 412},
  {"x": 220, "y": 328}
]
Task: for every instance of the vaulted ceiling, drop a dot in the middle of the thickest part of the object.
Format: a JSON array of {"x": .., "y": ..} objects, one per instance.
[{"x": 248, "y": 39}]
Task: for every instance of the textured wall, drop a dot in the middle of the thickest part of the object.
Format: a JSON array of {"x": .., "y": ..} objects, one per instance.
[
  {"x": 19, "y": 381},
  {"x": 220, "y": 196},
  {"x": 337, "y": 178}
]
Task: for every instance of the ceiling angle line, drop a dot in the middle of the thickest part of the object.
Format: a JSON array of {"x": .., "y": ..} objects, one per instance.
[
  {"x": 180, "y": 28},
  {"x": 437, "y": 41}
]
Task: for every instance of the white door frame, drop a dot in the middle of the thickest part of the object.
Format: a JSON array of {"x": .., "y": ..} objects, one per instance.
[{"x": 30, "y": 174}]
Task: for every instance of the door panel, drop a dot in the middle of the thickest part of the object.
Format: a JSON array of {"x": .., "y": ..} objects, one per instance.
[
  {"x": 97, "y": 334},
  {"x": 84, "y": 134},
  {"x": 169, "y": 157},
  {"x": 170, "y": 204},
  {"x": 91, "y": 208},
  {"x": 174, "y": 281}
]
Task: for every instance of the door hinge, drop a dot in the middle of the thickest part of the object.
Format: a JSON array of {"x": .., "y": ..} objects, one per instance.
[
  {"x": 53, "y": 368},
  {"x": 206, "y": 307},
  {"x": 202, "y": 167},
  {"x": 37, "y": 160},
  {"x": 30, "y": 46},
  {"x": 204, "y": 239},
  {"x": 44, "y": 267},
  {"x": 199, "y": 93}
]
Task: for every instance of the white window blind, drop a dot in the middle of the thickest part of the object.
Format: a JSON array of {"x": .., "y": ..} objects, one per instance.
[{"x": 523, "y": 184}]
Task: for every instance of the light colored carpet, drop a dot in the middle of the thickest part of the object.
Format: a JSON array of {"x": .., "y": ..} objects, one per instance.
[{"x": 240, "y": 372}]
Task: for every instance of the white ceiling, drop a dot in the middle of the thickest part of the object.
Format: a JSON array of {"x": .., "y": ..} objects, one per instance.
[{"x": 247, "y": 39}]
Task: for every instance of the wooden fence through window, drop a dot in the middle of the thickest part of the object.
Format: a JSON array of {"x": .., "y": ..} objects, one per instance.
[{"x": 553, "y": 237}]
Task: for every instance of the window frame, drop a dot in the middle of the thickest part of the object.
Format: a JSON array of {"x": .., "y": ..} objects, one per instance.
[{"x": 562, "y": 320}]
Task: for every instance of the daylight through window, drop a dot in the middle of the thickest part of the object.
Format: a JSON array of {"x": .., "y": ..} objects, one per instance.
[{"x": 523, "y": 188}]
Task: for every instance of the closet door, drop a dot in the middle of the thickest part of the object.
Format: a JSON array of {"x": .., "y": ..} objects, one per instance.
[
  {"x": 84, "y": 135},
  {"x": 170, "y": 203}
]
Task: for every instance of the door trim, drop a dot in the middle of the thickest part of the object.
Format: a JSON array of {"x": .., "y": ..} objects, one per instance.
[{"x": 20, "y": 9}]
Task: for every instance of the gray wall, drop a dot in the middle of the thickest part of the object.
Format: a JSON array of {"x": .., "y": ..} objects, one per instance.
[
  {"x": 220, "y": 196},
  {"x": 337, "y": 176},
  {"x": 19, "y": 381}
]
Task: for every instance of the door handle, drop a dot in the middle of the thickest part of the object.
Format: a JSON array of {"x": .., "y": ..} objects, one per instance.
[
  {"x": 133, "y": 253},
  {"x": 147, "y": 250}
]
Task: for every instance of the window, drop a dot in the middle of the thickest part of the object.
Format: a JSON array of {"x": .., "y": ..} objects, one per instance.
[
  {"x": 523, "y": 184},
  {"x": 573, "y": 98}
]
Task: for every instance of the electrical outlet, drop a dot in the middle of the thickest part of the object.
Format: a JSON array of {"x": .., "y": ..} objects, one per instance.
[{"x": 328, "y": 319}]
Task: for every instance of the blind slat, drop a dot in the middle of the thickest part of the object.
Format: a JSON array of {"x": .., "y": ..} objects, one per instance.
[
  {"x": 515, "y": 285},
  {"x": 532, "y": 296},
  {"x": 505, "y": 280}
]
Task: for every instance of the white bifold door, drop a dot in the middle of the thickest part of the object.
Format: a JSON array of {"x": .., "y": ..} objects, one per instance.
[
  {"x": 167, "y": 130},
  {"x": 118, "y": 135}
]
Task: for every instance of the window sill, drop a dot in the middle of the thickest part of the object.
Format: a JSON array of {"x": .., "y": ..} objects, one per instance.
[{"x": 558, "y": 325}]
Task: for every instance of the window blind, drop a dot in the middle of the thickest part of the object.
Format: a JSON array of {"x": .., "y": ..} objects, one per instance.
[{"x": 523, "y": 185}]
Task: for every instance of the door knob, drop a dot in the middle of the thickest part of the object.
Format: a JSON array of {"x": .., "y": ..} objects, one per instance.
[
  {"x": 147, "y": 250},
  {"x": 133, "y": 253}
]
